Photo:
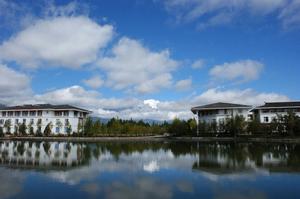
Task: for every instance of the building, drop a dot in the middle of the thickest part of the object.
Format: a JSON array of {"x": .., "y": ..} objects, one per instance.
[
  {"x": 61, "y": 119},
  {"x": 270, "y": 110},
  {"x": 219, "y": 112}
]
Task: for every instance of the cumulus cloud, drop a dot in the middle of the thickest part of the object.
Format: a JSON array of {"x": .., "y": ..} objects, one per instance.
[
  {"x": 247, "y": 96},
  {"x": 60, "y": 41},
  {"x": 134, "y": 67},
  {"x": 14, "y": 85},
  {"x": 94, "y": 82},
  {"x": 245, "y": 70},
  {"x": 183, "y": 85},
  {"x": 221, "y": 12},
  {"x": 133, "y": 108}
]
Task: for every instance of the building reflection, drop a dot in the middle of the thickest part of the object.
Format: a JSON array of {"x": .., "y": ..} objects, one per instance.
[
  {"x": 216, "y": 158},
  {"x": 247, "y": 157},
  {"x": 42, "y": 155}
]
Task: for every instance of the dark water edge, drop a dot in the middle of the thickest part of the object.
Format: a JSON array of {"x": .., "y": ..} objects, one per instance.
[
  {"x": 159, "y": 139},
  {"x": 148, "y": 169}
]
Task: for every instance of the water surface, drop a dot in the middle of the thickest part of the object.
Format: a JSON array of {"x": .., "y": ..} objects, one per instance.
[{"x": 148, "y": 170}]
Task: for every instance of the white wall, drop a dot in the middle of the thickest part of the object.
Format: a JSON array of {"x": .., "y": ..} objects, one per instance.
[
  {"x": 47, "y": 117},
  {"x": 221, "y": 116},
  {"x": 271, "y": 116}
]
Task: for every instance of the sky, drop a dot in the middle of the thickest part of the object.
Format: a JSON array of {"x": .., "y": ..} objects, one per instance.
[{"x": 149, "y": 59}]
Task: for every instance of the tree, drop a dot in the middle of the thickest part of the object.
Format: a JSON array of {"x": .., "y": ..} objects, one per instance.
[
  {"x": 58, "y": 124},
  {"x": 22, "y": 129},
  {"x": 179, "y": 127},
  {"x": 1, "y": 132},
  {"x": 88, "y": 127},
  {"x": 48, "y": 129},
  {"x": 68, "y": 127},
  {"x": 39, "y": 128},
  {"x": 7, "y": 125},
  {"x": 30, "y": 127},
  {"x": 97, "y": 127},
  {"x": 254, "y": 127},
  {"x": 193, "y": 125}
]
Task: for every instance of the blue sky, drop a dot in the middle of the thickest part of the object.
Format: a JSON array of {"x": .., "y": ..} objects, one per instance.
[{"x": 149, "y": 59}]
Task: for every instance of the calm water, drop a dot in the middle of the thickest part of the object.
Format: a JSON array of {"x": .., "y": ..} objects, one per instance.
[{"x": 148, "y": 170}]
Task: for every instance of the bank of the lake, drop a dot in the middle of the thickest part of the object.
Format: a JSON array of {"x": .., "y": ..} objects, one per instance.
[{"x": 159, "y": 138}]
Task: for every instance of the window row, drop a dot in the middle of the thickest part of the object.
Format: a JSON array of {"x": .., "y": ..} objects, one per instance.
[{"x": 21, "y": 113}]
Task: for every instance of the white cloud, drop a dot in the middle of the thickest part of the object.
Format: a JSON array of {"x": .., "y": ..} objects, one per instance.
[
  {"x": 221, "y": 12},
  {"x": 151, "y": 167},
  {"x": 184, "y": 84},
  {"x": 135, "y": 67},
  {"x": 94, "y": 82},
  {"x": 245, "y": 70},
  {"x": 247, "y": 96},
  {"x": 14, "y": 85},
  {"x": 152, "y": 103},
  {"x": 198, "y": 63},
  {"x": 61, "y": 41}
]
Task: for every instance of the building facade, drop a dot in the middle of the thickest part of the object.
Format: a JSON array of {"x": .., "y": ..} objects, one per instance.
[
  {"x": 271, "y": 110},
  {"x": 60, "y": 119},
  {"x": 219, "y": 112}
]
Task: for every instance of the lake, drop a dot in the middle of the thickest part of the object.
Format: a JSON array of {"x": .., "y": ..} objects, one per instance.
[{"x": 148, "y": 170}]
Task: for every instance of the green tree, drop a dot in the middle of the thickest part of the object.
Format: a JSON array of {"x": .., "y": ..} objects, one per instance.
[
  {"x": 59, "y": 124},
  {"x": 254, "y": 127},
  {"x": 68, "y": 127},
  {"x": 88, "y": 127},
  {"x": 1, "y": 132},
  {"x": 7, "y": 126},
  {"x": 39, "y": 128},
  {"x": 179, "y": 127},
  {"x": 193, "y": 125},
  {"x": 30, "y": 127},
  {"x": 22, "y": 129},
  {"x": 48, "y": 129},
  {"x": 97, "y": 127}
]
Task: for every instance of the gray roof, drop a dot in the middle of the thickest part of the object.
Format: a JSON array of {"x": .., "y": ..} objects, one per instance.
[
  {"x": 295, "y": 104},
  {"x": 219, "y": 105},
  {"x": 43, "y": 107}
]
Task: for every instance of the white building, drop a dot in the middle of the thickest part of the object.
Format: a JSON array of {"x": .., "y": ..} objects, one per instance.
[
  {"x": 219, "y": 112},
  {"x": 268, "y": 112},
  {"x": 60, "y": 118}
]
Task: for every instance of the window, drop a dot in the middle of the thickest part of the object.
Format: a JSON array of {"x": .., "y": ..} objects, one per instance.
[
  {"x": 57, "y": 113},
  {"x": 10, "y": 113},
  {"x": 40, "y": 113},
  {"x": 66, "y": 113},
  {"x": 24, "y": 121},
  {"x": 17, "y": 113},
  {"x": 32, "y": 113},
  {"x": 4, "y": 114},
  {"x": 225, "y": 111},
  {"x": 75, "y": 113},
  {"x": 57, "y": 129},
  {"x": 265, "y": 110},
  {"x": 31, "y": 121},
  {"x": 16, "y": 121},
  {"x": 25, "y": 113},
  {"x": 266, "y": 119},
  {"x": 66, "y": 121},
  {"x": 1, "y": 121}
]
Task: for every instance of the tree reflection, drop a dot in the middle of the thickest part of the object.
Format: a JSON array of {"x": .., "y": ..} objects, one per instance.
[{"x": 211, "y": 157}]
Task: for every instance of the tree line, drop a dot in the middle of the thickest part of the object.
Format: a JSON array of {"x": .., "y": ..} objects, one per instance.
[{"x": 282, "y": 125}]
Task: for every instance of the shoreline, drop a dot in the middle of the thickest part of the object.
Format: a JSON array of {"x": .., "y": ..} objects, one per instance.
[{"x": 295, "y": 140}]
